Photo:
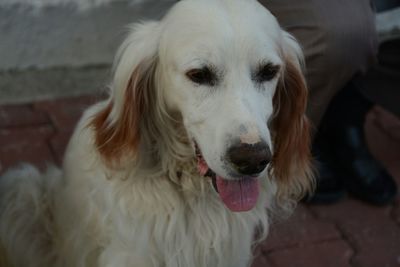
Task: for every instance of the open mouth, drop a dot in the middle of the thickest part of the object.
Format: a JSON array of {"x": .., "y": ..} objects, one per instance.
[{"x": 238, "y": 194}]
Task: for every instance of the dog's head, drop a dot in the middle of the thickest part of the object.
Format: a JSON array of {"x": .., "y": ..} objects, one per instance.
[{"x": 234, "y": 80}]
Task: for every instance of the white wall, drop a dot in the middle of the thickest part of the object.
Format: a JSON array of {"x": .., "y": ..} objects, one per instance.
[
  {"x": 67, "y": 33},
  {"x": 80, "y": 4}
]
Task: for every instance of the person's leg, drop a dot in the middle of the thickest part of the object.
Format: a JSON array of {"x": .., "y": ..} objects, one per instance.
[
  {"x": 381, "y": 83},
  {"x": 338, "y": 38},
  {"x": 343, "y": 125},
  {"x": 339, "y": 41}
]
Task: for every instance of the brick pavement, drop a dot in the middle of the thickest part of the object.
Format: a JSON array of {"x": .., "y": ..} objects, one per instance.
[{"x": 349, "y": 233}]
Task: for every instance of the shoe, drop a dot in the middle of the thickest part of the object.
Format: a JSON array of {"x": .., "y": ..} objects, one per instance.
[
  {"x": 329, "y": 189},
  {"x": 362, "y": 176},
  {"x": 329, "y": 185}
]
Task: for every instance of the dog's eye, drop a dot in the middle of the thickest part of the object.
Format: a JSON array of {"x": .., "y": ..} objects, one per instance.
[
  {"x": 203, "y": 76},
  {"x": 266, "y": 73}
]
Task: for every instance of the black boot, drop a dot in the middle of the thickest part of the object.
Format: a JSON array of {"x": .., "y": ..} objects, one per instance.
[
  {"x": 358, "y": 172},
  {"x": 329, "y": 185}
]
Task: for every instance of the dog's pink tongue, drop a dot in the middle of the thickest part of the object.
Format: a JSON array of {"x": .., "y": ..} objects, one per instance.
[{"x": 238, "y": 195}]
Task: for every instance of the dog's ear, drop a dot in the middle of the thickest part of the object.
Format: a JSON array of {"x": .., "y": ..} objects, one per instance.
[
  {"x": 117, "y": 125},
  {"x": 291, "y": 134}
]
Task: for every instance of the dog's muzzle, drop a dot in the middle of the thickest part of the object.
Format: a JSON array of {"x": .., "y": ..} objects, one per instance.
[{"x": 238, "y": 194}]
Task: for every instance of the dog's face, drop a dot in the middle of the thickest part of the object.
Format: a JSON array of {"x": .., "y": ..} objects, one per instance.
[
  {"x": 226, "y": 68},
  {"x": 221, "y": 71}
]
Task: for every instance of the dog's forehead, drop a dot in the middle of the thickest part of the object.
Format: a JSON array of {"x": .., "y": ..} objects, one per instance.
[{"x": 206, "y": 25}]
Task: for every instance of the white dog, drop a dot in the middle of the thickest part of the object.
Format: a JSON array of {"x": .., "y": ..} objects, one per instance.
[{"x": 202, "y": 137}]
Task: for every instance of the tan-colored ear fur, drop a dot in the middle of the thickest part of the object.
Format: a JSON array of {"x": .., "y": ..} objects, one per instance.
[
  {"x": 117, "y": 137},
  {"x": 292, "y": 157}
]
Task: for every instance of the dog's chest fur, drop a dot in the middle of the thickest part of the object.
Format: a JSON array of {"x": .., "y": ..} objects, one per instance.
[
  {"x": 178, "y": 227},
  {"x": 154, "y": 222}
]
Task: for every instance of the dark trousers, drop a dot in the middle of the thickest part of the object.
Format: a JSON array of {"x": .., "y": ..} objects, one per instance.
[{"x": 339, "y": 41}]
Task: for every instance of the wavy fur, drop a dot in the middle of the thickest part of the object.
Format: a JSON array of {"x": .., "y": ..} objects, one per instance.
[{"x": 129, "y": 193}]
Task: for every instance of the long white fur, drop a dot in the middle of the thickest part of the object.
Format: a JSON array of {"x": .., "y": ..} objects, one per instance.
[{"x": 92, "y": 215}]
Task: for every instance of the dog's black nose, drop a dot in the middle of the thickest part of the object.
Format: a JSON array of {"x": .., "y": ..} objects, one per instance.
[{"x": 249, "y": 159}]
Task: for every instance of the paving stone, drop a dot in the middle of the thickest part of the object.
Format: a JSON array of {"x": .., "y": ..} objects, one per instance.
[
  {"x": 327, "y": 254},
  {"x": 25, "y": 145},
  {"x": 59, "y": 143},
  {"x": 66, "y": 112},
  {"x": 260, "y": 261},
  {"x": 383, "y": 138},
  {"x": 21, "y": 115},
  {"x": 370, "y": 230},
  {"x": 389, "y": 122},
  {"x": 396, "y": 211},
  {"x": 300, "y": 229}
]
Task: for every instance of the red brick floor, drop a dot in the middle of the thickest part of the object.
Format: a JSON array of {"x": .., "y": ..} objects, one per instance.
[{"x": 349, "y": 233}]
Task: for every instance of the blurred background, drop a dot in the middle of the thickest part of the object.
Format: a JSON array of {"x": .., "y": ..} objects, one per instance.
[{"x": 52, "y": 48}]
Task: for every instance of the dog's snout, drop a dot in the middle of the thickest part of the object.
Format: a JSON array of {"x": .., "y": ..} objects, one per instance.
[{"x": 249, "y": 159}]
